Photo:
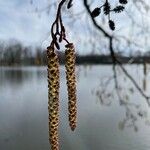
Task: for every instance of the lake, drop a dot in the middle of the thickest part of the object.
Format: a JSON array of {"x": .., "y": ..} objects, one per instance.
[{"x": 24, "y": 113}]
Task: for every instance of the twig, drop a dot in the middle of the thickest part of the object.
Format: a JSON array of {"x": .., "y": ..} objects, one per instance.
[{"x": 114, "y": 59}]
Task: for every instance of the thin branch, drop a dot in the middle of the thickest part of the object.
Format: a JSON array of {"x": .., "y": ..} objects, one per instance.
[
  {"x": 114, "y": 59},
  {"x": 94, "y": 21}
]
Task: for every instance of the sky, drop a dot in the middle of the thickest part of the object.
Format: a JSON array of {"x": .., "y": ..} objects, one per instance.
[{"x": 20, "y": 21}]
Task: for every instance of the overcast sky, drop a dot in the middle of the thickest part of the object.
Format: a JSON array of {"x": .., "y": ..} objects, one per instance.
[{"x": 18, "y": 20}]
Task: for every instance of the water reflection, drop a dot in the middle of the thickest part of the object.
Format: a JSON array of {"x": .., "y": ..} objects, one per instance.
[
  {"x": 17, "y": 76},
  {"x": 24, "y": 116}
]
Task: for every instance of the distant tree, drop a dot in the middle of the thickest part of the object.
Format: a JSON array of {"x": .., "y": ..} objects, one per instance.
[
  {"x": 44, "y": 57},
  {"x": 1, "y": 52},
  {"x": 38, "y": 56},
  {"x": 27, "y": 55},
  {"x": 12, "y": 54}
]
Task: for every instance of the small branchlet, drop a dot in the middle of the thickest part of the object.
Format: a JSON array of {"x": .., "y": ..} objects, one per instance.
[
  {"x": 107, "y": 8},
  {"x": 119, "y": 9},
  {"x": 123, "y": 1},
  {"x": 107, "y": 11},
  {"x": 70, "y": 4},
  {"x": 58, "y": 31}
]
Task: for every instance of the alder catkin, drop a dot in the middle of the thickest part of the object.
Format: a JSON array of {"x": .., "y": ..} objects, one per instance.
[
  {"x": 53, "y": 97},
  {"x": 71, "y": 84}
]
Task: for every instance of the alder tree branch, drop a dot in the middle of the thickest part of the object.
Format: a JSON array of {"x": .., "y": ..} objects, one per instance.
[{"x": 113, "y": 56}]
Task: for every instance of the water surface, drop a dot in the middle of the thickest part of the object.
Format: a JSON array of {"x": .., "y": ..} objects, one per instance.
[{"x": 24, "y": 114}]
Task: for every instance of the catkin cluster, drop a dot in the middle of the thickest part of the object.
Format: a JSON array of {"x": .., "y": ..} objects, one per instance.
[
  {"x": 71, "y": 84},
  {"x": 53, "y": 91},
  {"x": 53, "y": 96}
]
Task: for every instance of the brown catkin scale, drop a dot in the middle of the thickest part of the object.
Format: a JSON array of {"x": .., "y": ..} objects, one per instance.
[
  {"x": 53, "y": 97},
  {"x": 71, "y": 84}
]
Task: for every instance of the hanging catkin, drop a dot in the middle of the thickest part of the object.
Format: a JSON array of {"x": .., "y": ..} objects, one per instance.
[
  {"x": 53, "y": 96},
  {"x": 71, "y": 84}
]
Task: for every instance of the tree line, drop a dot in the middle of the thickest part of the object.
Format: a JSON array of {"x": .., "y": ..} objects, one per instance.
[{"x": 17, "y": 54}]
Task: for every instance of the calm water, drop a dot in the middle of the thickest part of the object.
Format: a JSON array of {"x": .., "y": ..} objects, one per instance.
[{"x": 24, "y": 115}]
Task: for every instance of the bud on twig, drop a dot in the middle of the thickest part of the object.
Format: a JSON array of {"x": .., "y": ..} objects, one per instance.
[{"x": 96, "y": 12}]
